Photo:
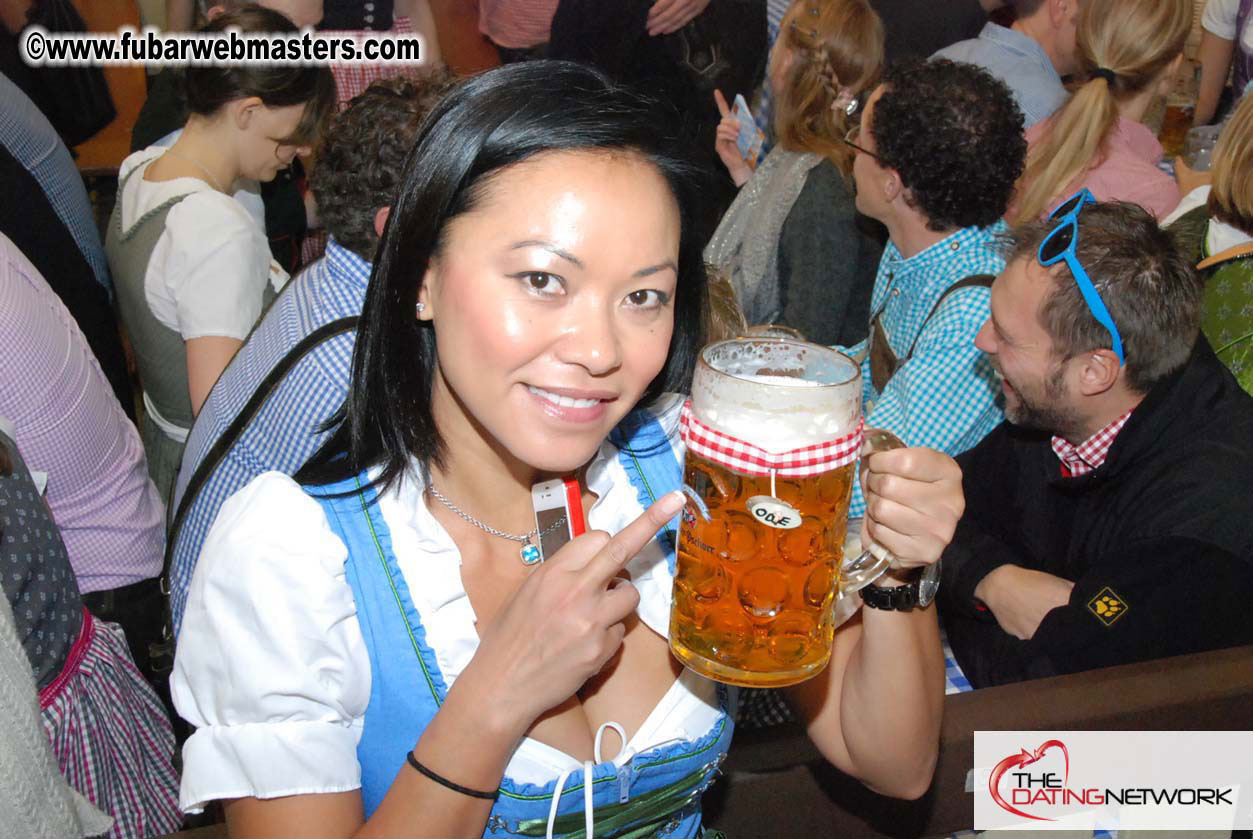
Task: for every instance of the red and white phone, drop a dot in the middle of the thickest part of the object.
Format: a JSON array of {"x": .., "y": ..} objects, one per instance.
[{"x": 553, "y": 500}]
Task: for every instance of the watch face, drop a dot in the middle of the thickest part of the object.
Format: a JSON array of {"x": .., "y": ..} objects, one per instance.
[{"x": 929, "y": 584}]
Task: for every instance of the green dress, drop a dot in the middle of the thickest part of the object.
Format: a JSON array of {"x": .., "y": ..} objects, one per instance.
[{"x": 1227, "y": 307}]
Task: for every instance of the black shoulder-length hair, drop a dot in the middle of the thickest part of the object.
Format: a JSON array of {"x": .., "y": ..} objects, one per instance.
[{"x": 487, "y": 123}]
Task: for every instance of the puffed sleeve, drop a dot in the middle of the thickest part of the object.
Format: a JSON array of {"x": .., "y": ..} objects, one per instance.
[
  {"x": 216, "y": 266},
  {"x": 271, "y": 666}
]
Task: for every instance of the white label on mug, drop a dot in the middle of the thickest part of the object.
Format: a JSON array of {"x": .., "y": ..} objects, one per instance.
[{"x": 772, "y": 512}]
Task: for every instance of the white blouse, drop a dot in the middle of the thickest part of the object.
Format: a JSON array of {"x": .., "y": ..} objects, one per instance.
[
  {"x": 272, "y": 668},
  {"x": 210, "y": 265}
]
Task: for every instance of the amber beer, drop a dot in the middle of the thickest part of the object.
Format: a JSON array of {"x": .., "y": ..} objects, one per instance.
[
  {"x": 753, "y": 604},
  {"x": 1176, "y": 122},
  {"x": 759, "y": 556}
]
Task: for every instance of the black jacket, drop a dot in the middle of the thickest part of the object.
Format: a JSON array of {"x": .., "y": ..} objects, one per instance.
[{"x": 1158, "y": 540}]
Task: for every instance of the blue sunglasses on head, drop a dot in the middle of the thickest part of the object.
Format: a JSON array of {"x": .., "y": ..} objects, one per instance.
[{"x": 1060, "y": 244}]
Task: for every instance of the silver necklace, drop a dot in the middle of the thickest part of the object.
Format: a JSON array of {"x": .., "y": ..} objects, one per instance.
[
  {"x": 213, "y": 182},
  {"x": 529, "y": 552}
]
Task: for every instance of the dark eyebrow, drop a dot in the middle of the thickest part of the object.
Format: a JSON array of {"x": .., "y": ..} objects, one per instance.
[
  {"x": 571, "y": 258},
  {"x": 548, "y": 246},
  {"x": 653, "y": 269}
]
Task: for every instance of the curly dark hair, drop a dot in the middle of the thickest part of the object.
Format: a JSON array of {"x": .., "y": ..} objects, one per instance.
[
  {"x": 954, "y": 134},
  {"x": 362, "y": 154}
]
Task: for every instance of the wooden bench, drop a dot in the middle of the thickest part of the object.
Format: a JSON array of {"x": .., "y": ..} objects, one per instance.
[{"x": 777, "y": 785}]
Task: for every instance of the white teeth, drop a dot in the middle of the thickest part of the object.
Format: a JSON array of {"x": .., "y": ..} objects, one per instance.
[{"x": 563, "y": 401}]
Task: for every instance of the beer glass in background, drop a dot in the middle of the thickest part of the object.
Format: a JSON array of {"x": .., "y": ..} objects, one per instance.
[
  {"x": 1198, "y": 147},
  {"x": 1180, "y": 108},
  {"x": 773, "y": 431}
]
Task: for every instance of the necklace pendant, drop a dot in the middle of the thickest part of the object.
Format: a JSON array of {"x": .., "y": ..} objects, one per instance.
[{"x": 531, "y": 554}]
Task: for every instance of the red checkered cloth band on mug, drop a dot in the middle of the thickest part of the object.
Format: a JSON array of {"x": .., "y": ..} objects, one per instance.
[{"x": 736, "y": 454}]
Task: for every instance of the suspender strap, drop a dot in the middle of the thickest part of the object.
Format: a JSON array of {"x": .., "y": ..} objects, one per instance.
[
  {"x": 230, "y": 436},
  {"x": 161, "y": 655},
  {"x": 883, "y": 362}
]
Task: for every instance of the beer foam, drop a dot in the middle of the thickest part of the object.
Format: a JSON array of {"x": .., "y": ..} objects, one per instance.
[
  {"x": 748, "y": 399},
  {"x": 784, "y": 381},
  {"x": 780, "y": 433}
]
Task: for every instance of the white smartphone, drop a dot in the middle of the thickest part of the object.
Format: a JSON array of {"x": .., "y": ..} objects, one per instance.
[{"x": 554, "y": 500}]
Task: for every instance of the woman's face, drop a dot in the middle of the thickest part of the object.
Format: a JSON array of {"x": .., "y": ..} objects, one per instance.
[
  {"x": 553, "y": 305},
  {"x": 263, "y": 153}
]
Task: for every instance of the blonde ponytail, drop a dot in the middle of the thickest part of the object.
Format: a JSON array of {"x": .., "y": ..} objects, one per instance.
[
  {"x": 1074, "y": 138},
  {"x": 1123, "y": 47}
]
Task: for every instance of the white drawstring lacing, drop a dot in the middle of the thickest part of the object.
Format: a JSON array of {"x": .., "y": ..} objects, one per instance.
[{"x": 588, "y": 765}]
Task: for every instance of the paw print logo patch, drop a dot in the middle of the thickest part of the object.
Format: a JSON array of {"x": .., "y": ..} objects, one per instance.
[{"x": 1107, "y": 606}]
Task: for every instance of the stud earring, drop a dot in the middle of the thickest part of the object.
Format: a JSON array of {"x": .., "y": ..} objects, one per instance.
[{"x": 420, "y": 307}]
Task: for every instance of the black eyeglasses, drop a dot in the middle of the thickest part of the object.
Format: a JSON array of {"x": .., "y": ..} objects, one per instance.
[{"x": 850, "y": 139}]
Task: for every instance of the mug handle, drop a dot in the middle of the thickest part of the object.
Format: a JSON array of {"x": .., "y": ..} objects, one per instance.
[{"x": 875, "y": 560}]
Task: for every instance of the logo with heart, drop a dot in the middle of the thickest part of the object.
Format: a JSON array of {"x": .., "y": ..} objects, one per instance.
[{"x": 1025, "y": 758}]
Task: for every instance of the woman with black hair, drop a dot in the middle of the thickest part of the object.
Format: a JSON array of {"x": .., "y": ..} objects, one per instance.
[
  {"x": 372, "y": 651},
  {"x": 191, "y": 265}
]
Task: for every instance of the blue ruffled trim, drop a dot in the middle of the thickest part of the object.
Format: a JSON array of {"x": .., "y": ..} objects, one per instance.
[
  {"x": 650, "y": 464},
  {"x": 363, "y": 501}
]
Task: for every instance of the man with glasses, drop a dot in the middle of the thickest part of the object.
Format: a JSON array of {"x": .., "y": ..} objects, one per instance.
[
  {"x": 1107, "y": 521},
  {"x": 939, "y": 146}
]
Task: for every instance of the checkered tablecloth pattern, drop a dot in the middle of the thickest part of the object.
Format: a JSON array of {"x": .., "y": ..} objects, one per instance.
[
  {"x": 955, "y": 680},
  {"x": 743, "y": 456},
  {"x": 763, "y": 708}
]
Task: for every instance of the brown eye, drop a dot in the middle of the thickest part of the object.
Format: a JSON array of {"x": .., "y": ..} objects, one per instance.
[
  {"x": 647, "y": 298},
  {"x": 541, "y": 283}
]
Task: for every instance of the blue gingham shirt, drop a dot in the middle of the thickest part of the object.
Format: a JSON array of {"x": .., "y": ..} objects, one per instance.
[
  {"x": 945, "y": 397},
  {"x": 27, "y": 135},
  {"x": 1020, "y": 62},
  {"x": 284, "y": 433}
]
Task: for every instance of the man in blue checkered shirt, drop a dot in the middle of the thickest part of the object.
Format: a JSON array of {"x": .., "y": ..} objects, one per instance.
[
  {"x": 939, "y": 147},
  {"x": 358, "y": 169}
]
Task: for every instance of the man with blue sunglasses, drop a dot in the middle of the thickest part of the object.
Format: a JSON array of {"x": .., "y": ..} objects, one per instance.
[{"x": 1107, "y": 519}]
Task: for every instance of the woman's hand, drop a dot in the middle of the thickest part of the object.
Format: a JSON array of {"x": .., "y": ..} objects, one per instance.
[
  {"x": 725, "y": 143},
  {"x": 1189, "y": 178},
  {"x": 566, "y": 621},
  {"x": 913, "y": 502}
]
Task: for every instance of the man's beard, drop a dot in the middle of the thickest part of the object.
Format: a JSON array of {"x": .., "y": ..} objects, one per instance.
[{"x": 1047, "y": 411}]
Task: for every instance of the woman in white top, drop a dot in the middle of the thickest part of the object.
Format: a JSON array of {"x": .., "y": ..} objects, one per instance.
[
  {"x": 1226, "y": 51},
  {"x": 367, "y": 654},
  {"x": 191, "y": 265}
]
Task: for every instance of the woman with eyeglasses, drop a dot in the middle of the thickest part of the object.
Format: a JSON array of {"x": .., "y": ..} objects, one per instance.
[
  {"x": 191, "y": 265},
  {"x": 794, "y": 245},
  {"x": 1129, "y": 52}
]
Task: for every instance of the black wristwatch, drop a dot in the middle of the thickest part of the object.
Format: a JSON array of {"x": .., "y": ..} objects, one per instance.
[{"x": 915, "y": 595}]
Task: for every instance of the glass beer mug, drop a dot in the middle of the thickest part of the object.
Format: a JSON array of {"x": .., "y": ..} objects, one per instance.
[{"x": 773, "y": 431}]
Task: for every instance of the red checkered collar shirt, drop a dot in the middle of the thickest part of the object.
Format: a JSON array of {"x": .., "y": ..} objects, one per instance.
[{"x": 1091, "y": 453}]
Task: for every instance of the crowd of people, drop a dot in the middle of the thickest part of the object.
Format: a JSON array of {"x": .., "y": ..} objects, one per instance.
[{"x": 282, "y": 420}]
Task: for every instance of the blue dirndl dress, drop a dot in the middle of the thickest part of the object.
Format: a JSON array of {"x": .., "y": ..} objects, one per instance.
[{"x": 655, "y": 792}]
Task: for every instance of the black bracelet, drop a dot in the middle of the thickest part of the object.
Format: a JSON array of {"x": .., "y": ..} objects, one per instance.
[{"x": 444, "y": 782}]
